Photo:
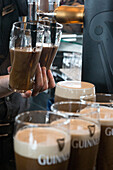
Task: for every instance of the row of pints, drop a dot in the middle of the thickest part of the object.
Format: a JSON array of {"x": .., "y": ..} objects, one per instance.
[
  {"x": 44, "y": 141},
  {"x": 67, "y": 93}
]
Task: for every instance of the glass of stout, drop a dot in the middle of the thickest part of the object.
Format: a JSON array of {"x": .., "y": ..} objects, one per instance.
[
  {"x": 84, "y": 130},
  {"x": 105, "y": 152},
  {"x": 52, "y": 37},
  {"x": 26, "y": 43},
  {"x": 41, "y": 144},
  {"x": 74, "y": 91}
]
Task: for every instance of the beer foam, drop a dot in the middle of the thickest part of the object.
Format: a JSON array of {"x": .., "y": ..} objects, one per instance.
[
  {"x": 106, "y": 115},
  {"x": 33, "y": 142},
  {"x": 74, "y": 89},
  {"x": 80, "y": 129},
  {"x": 26, "y": 49}
]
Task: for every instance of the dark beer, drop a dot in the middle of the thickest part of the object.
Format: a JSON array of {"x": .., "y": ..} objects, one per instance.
[
  {"x": 52, "y": 37},
  {"x": 47, "y": 55},
  {"x": 105, "y": 153},
  {"x": 24, "y": 62},
  {"x": 85, "y": 137},
  {"x": 42, "y": 149}
]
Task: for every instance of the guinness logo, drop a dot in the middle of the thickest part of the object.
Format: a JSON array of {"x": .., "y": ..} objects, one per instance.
[
  {"x": 61, "y": 143},
  {"x": 91, "y": 130}
]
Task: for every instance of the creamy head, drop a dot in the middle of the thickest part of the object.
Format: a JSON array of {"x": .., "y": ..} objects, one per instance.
[
  {"x": 82, "y": 129},
  {"x": 106, "y": 115},
  {"x": 74, "y": 89},
  {"x": 34, "y": 142},
  {"x": 27, "y": 49}
]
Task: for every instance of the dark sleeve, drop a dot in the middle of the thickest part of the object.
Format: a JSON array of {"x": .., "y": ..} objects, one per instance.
[
  {"x": 6, "y": 23},
  {"x": 73, "y": 2},
  {"x": 22, "y": 6},
  {"x": 80, "y": 1},
  {"x": 5, "y": 29},
  {"x": 1, "y": 6}
]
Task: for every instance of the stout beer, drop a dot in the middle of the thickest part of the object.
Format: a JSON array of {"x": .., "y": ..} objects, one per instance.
[
  {"x": 52, "y": 37},
  {"x": 24, "y": 62},
  {"x": 25, "y": 49},
  {"x": 105, "y": 153},
  {"x": 40, "y": 148},
  {"x": 85, "y": 136},
  {"x": 47, "y": 55}
]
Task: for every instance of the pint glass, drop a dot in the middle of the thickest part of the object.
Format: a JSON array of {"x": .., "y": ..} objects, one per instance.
[
  {"x": 39, "y": 144},
  {"x": 105, "y": 153},
  {"x": 52, "y": 37},
  {"x": 85, "y": 133},
  {"x": 25, "y": 48},
  {"x": 73, "y": 90}
]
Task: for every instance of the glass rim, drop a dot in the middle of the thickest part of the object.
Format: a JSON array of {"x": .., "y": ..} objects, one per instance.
[
  {"x": 64, "y": 87},
  {"x": 30, "y": 23},
  {"x": 93, "y": 105},
  {"x": 65, "y": 116},
  {"x": 109, "y": 102},
  {"x": 59, "y": 26},
  {"x": 87, "y": 96}
]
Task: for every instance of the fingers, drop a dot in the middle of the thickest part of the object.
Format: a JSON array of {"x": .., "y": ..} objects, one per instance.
[
  {"x": 38, "y": 81},
  {"x": 27, "y": 94},
  {"x": 38, "y": 78},
  {"x": 9, "y": 69},
  {"x": 43, "y": 80},
  {"x": 51, "y": 82}
]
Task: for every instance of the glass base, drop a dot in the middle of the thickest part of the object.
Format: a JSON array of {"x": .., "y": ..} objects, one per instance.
[{"x": 16, "y": 90}]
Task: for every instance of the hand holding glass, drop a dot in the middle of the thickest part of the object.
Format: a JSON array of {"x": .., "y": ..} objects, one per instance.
[{"x": 25, "y": 48}]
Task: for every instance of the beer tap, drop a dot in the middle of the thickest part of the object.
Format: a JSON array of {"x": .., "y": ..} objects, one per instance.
[{"x": 97, "y": 58}]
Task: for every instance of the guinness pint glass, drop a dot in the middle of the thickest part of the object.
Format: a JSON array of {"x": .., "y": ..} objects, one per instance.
[
  {"x": 85, "y": 133},
  {"x": 105, "y": 153},
  {"x": 26, "y": 43},
  {"x": 40, "y": 145}
]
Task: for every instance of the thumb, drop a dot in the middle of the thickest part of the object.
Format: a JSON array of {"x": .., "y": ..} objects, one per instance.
[
  {"x": 27, "y": 94},
  {"x": 9, "y": 69}
]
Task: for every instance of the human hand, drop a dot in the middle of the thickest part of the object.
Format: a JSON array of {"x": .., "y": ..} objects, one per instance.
[{"x": 43, "y": 81}]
